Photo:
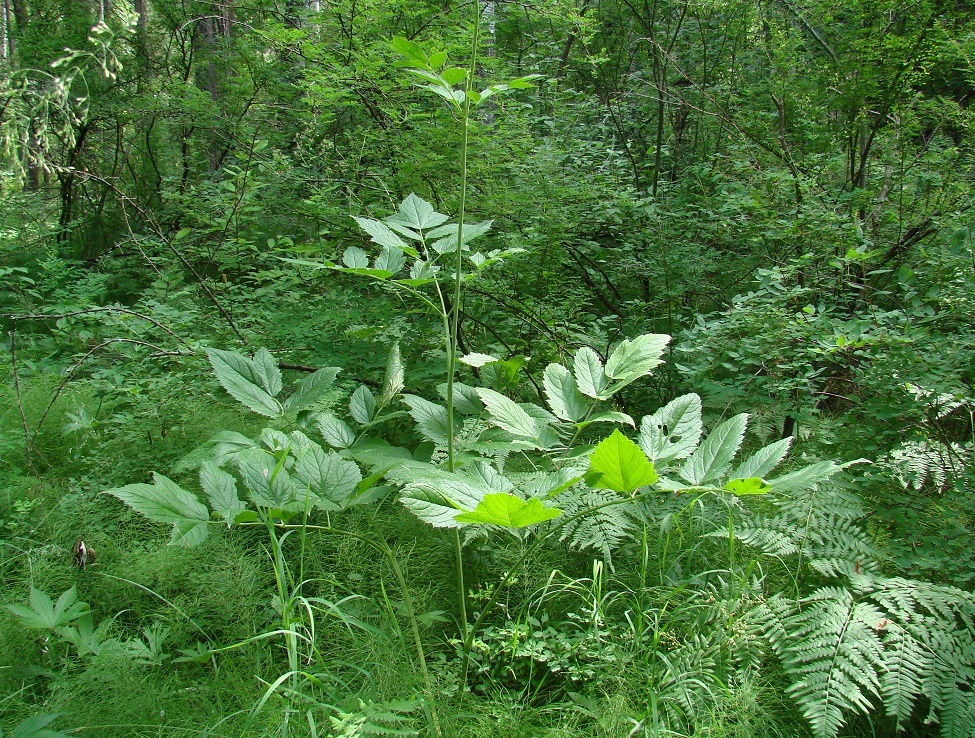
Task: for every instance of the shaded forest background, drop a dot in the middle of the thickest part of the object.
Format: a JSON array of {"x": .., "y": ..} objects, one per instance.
[{"x": 784, "y": 187}]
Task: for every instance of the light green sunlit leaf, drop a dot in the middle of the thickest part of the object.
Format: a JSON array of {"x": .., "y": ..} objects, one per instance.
[{"x": 501, "y": 508}]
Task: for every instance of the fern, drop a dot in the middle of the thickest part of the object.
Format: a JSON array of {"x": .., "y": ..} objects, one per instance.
[
  {"x": 601, "y": 530},
  {"x": 917, "y": 464},
  {"x": 881, "y": 640},
  {"x": 830, "y": 642},
  {"x": 929, "y": 634},
  {"x": 818, "y": 525},
  {"x": 372, "y": 719}
]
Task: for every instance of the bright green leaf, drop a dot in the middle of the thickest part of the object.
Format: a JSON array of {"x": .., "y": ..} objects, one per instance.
[
  {"x": 501, "y": 508},
  {"x": 453, "y": 75},
  {"x": 748, "y": 486},
  {"x": 618, "y": 464}
]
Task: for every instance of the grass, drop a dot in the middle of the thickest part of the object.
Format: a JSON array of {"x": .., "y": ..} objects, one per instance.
[{"x": 548, "y": 669}]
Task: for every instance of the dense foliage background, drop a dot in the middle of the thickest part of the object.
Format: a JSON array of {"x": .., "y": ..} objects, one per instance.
[{"x": 784, "y": 188}]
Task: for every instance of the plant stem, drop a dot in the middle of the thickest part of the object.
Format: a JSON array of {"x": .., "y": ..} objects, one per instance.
[
  {"x": 454, "y": 320},
  {"x": 459, "y": 258}
]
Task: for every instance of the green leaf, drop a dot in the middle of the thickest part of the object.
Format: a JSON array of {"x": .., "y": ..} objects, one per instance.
[
  {"x": 713, "y": 457},
  {"x": 454, "y": 97},
  {"x": 618, "y": 464},
  {"x": 590, "y": 377},
  {"x": 36, "y": 727},
  {"x": 164, "y": 501},
  {"x": 394, "y": 223},
  {"x": 453, "y": 75},
  {"x": 410, "y": 49},
  {"x": 501, "y": 508},
  {"x": 477, "y": 360},
  {"x": 267, "y": 372},
  {"x": 610, "y": 416},
  {"x": 508, "y": 414},
  {"x": 393, "y": 381},
  {"x": 221, "y": 491},
  {"x": 810, "y": 475},
  {"x": 436, "y": 496},
  {"x": 44, "y": 614},
  {"x": 336, "y": 432},
  {"x": 362, "y": 405},
  {"x": 523, "y": 83},
  {"x": 268, "y": 481},
  {"x": 86, "y": 638},
  {"x": 328, "y": 474},
  {"x": 355, "y": 258},
  {"x": 438, "y": 59},
  {"x": 672, "y": 432},
  {"x": 417, "y": 213},
  {"x": 448, "y": 243},
  {"x": 635, "y": 358},
  {"x": 311, "y": 389},
  {"x": 238, "y": 375},
  {"x": 563, "y": 394},
  {"x": 763, "y": 461},
  {"x": 390, "y": 260},
  {"x": 380, "y": 274},
  {"x": 431, "y": 419},
  {"x": 466, "y": 400},
  {"x": 748, "y": 486}
]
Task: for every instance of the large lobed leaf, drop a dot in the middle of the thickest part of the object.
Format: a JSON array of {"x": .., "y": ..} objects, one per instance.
[
  {"x": 618, "y": 464},
  {"x": 509, "y": 511},
  {"x": 164, "y": 501}
]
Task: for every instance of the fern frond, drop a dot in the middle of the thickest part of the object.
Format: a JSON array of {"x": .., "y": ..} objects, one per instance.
[
  {"x": 917, "y": 464},
  {"x": 889, "y": 639},
  {"x": 835, "y": 648},
  {"x": 777, "y": 536},
  {"x": 602, "y": 529},
  {"x": 907, "y": 664},
  {"x": 929, "y": 638},
  {"x": 837, "y": 546},
  {"x": 372, "y": 719}
]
